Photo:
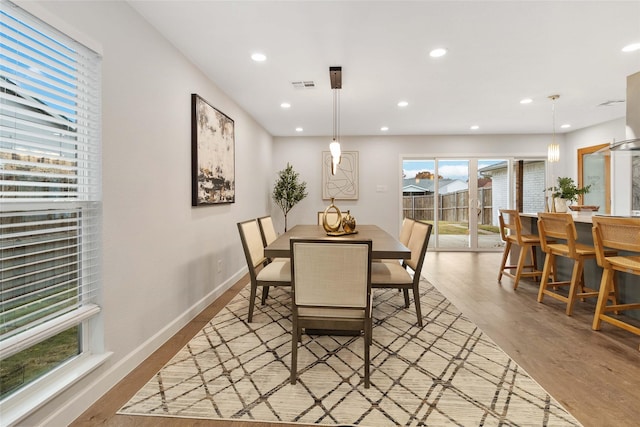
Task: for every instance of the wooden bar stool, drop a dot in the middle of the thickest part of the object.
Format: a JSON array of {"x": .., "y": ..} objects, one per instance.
[
  {"x": 561, "y": 227},
  {"x": 622, "y": 234},
  {"x": 510, "y": 221}
]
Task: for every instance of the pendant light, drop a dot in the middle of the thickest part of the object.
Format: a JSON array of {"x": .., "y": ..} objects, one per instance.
[
  {"x": 335, "y": 73},
  {"x": 553, "y": 149}
]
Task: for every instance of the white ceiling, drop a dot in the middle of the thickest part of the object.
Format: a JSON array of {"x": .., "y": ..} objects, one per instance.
[{"x": 498, "y": 53}]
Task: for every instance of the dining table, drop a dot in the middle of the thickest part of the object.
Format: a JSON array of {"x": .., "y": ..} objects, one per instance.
[{"x": 383, "y": 244}]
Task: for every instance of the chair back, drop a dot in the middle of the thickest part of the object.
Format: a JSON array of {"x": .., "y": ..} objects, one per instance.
[
  {"x": 331, "y": 273},
  {"x": 510, "y": 225},
  {"x": 557, "y": 226},
  {"x": 252, "y": 244},
  {"x": 405, "y": 231},
  {"x": 615, "y": 233},
  {"x": 267, "y": 230},
  {"x": 418, "y": 242}
]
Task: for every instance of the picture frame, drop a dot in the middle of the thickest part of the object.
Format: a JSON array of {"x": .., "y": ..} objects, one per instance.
[
  {"x": 344, "y": 184},
  {"x": 212, "y": 155}
]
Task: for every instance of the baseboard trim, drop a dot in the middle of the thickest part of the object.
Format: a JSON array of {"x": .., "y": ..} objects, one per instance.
[{"x": 81, "y": 400}]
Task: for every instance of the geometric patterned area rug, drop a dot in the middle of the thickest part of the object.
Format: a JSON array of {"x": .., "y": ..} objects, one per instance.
[{"x": 446, "y": 373}]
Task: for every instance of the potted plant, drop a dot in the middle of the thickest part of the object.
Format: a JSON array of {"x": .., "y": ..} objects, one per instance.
[
  {"x": 565, "y": 192},
  {"x": 288, "y": 191}
]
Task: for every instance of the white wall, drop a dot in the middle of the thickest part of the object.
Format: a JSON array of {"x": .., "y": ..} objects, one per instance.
[
  {"x": 160, "y": 254},
  {"x": 380, "y": 168}
]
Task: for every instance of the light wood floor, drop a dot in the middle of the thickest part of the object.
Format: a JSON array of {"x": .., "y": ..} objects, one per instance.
[{"x": 594, "y": 375}]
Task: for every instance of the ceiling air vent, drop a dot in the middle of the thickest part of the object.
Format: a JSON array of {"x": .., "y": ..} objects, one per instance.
[
  {"x": 303, "y": 84},
  {"x": 611, "y": 103}
]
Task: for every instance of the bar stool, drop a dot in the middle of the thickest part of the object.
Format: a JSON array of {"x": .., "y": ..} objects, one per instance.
[
  {"x": 510, "y": 220},
  {"x": 622, "y": 234},
  {"x": 561, "y": 226}
]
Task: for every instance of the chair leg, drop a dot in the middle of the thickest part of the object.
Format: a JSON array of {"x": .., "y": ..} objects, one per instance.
[
  {"x": 405, "y": 291},
  {"x": 294, "y": 350},
  {"x": 265, "y": 294},
  {"x": 605, "y": 288},
  {"x": 613, "y": 296},
  {"x": 546, "y": 271},
  {"x": 416, "y": 301},
  {"x": 503, "y": 263},
  {"x": 521, "y": 263},
  {"x": 576, "y": 278},
  {"x": 252, "y": 298},
  {"x": 367, "y": 352}
]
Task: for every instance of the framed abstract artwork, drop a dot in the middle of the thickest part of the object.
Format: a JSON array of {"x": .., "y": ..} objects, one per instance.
[
  {"x": 212, "y": 155},
  {"x": 344, "y": 184}
]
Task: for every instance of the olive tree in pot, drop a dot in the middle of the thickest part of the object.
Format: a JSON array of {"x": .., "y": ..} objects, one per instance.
[{"x": 288, "y": 191}]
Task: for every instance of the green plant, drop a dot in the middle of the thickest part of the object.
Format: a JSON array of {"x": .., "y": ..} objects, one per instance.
[
  {"x": 288, "y": 191},
  {"x": 567, "y": 189}
]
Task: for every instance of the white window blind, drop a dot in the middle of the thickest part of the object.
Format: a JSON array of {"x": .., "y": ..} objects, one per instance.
[{"x": 50, "y": 180}]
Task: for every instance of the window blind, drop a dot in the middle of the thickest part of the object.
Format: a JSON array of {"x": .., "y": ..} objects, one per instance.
[{"x": 50, "y": 179}]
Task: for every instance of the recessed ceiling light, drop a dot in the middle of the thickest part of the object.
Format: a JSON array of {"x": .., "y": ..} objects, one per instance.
[
  {"x": 437, "y": 53},
  {"x": 631, "y": 47},
  {"x": 474, "y": 127},
  {"x": 565, "y": 126},
  {"x": 403, "y": 104},
  {"x": 285, "y": 105},
  {"x": 526, "y": 101},
  {"x": 259, "y": 57},
  {"x": 299, "y": 129},
  {"x": 384, "y": 128}
]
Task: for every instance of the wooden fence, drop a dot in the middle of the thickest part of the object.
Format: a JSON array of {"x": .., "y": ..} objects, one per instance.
[{"x": 453, "y": 207}]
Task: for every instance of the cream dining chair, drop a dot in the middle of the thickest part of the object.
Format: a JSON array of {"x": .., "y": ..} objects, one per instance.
[
  {"x": 405, "y": 235},
  {"x": 394, "y": 275},
  {"x": 261, "y": 272},
  {"x": 331, "y": 290}
]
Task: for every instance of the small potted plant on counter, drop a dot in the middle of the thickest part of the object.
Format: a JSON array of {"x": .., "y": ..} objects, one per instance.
[{"x": 566, "y": 192}]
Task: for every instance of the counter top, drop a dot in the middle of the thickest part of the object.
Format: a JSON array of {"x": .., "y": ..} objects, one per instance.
[{"x": 584, "y": 217}]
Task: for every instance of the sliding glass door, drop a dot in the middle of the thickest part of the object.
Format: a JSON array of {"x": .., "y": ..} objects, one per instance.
[{"x": 461, "y": 197}]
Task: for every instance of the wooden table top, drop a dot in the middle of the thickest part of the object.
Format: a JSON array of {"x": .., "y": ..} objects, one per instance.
[{"x": 384, "y": 245}]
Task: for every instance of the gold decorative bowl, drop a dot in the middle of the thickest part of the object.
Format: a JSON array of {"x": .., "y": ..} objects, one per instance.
[{"x": 584, "y": 208}]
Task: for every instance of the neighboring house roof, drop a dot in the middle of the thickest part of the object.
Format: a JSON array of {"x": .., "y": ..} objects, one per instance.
[{"x": 409, "y": 185}]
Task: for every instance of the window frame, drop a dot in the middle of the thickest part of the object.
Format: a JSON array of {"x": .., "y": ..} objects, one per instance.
[{"x": 24, "y": 401}]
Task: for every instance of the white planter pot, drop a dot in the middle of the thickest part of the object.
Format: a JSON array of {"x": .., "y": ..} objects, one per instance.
[{"x": 561, "y": 205}]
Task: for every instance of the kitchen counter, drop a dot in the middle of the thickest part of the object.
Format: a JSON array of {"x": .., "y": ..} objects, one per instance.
[{"x": 628, "y": 284}]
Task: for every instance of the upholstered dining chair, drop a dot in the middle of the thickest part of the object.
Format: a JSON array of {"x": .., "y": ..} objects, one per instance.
[
  {"x": 622, "y": 234},
  {"x": 262, "y": 272},
  {"x": 561, "y": 228},
  {"x": 267, "y": 230},
  {"x": 331, "y": 290},
  {"x": 394, "y": 275},
  {"x": 405, "y": 234},
  {"x": 512, "y": 234}
]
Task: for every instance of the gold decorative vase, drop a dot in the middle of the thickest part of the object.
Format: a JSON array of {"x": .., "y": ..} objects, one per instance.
[
  {"x": 348, "y": 223},
  {"x": 332, "y": 228}
]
